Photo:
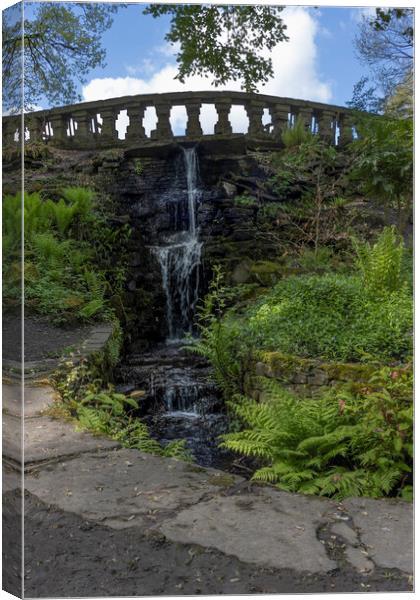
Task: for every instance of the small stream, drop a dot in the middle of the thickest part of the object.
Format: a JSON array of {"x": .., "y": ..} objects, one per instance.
[{"x": 181, "y": 400}]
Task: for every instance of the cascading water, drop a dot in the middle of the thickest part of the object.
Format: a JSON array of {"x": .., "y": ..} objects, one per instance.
[
  {"x": 179, "y": 258},
  {"x": 186, "y": 404}
]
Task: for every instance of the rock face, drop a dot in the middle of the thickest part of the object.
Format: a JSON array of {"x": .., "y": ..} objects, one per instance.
[
  {"x": 149, "y": 193},
  {"x": 147, "y": 190}
]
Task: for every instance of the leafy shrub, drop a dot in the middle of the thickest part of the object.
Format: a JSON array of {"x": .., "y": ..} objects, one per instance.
[
  {"x": 383, "y": 163},
  {"x": 77, "y": 261},
  {"x": 319, "y": 261},
  {"x": 332, "y": 316},
  {"x": 343, "y": 444},
  {"x": 311, "y": 179},
  {"x": 221, "y": 340}
]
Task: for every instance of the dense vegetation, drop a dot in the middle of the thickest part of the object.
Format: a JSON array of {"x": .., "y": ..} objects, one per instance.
[
  {"x": 74, "y": 272},
  {"x": 347, "y": 442},
  {"x": 332, "y": 292},
  {"x": 74, "y": 266},
  {"x": 349, "y": 300},
  {"x": 99, "y": 408}
]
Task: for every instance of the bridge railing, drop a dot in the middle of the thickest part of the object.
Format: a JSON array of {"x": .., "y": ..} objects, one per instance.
[{"x": 92, "y": 124}]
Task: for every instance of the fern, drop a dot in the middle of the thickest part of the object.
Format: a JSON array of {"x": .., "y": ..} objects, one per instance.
[
  {"x": 63, "y": 215},
  {"x": 110, "y": 413},
  {"x": 96, "y": 286},
  {"x": 50, "y": 251},
  {"x": 338, "y": 445},
  {"x": 296, "y": 135},
  {"x": 381, "y": 264},
  {"x": 81, "y": 199}
]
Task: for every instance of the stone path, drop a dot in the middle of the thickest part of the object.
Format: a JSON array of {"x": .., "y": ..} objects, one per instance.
[{"x": 104, "y": 496}]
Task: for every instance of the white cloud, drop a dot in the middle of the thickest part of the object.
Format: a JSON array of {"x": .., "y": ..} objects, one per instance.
[
  {"x": 146, "y": 67},
  {"x": 295, "y": 75}
]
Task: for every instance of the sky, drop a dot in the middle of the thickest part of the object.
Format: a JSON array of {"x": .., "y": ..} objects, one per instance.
[{"x": 318, "y": 62}]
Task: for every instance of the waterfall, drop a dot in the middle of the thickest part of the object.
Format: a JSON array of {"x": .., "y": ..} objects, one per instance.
[
  {"x": 180, "y": 257},
  {"x": 186, "y": 404}
]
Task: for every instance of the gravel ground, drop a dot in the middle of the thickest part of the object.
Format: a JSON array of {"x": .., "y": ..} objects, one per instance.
[{"x": 68, "y": 556}]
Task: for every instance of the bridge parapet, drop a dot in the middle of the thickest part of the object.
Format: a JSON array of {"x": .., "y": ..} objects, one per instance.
[{"x": 94, "y": 124}]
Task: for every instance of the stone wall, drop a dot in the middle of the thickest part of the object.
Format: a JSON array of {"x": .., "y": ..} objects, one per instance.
[{"x": 306, "y": 376}]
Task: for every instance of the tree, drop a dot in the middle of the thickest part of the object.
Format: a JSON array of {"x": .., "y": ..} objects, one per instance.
[
  {"x": 383, "y": 163},
  {"x": 61, "y": 43},
  {"x": 365, "y": 98},
  {"x": 385, "y": 44},
  {"x": 224, "y": 41}
]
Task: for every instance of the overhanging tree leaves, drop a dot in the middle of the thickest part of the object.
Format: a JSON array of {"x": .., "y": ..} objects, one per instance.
[
  {"x": 225, "y": 42},
  {"x": 61, "y": 44}
]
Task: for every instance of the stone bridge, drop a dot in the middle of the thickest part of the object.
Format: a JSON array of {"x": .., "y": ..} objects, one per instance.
[{"x": 94, "y": 124}]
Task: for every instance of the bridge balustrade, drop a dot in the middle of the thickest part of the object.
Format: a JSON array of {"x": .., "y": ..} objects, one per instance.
[{"x": 93, "y": 124}]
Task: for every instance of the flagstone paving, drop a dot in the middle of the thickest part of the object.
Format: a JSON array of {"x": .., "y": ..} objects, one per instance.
[{"x": 99, "y": 494}]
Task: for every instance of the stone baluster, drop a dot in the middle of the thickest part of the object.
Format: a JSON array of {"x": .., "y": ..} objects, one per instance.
[
  {"x": 9, "y": 129},
  {"x": 326, "y": 126},
  {"x": 84, "y": 130},
  {"x": 193, "y": 128},
  {"x": 306, "y": 116},
  {"x": 346, "y": 130},
  {"x": 279, "y": 119},
  {"x": 135, "y": 130},
  {"x": 223, "y": 125},
  {"x": 163, "y": 129},
  {"x": 255, "y": 111},
  {"x": 59, "y": 126},
  {"x": 35, "y": 126},
  {"x": 108, "y": 130}
]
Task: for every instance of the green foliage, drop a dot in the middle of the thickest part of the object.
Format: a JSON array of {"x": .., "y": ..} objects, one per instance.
[
  {"x": 75, "y": 263},
  {"x": 310, "y": 176},
  {"x": 381, "y": 264},
  {"x": 224, "y": 41},
  {"x": 49, "y": 251},
  {"x": 383, "y": 163},
  {"x": 61, "y": 44},
  {"x": 332, "y": 316},
  {"x": 315, "y": 262},
  {"x": 96, "y": 286},
  {"x": 104, "y": 411},
  {"x": 81, "y": 201},
  {"x": 138, "y": 166},
  {"x": 296, "y": 135},
  {"x": 109, "y": 401},
  {"x": 109, "y": 413},
  {"x": 343, "y": 444},
  {"x": 63, "y": 215},
  {"x": 245, "y": 201},
  {"x": 221, "y": 338}
]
